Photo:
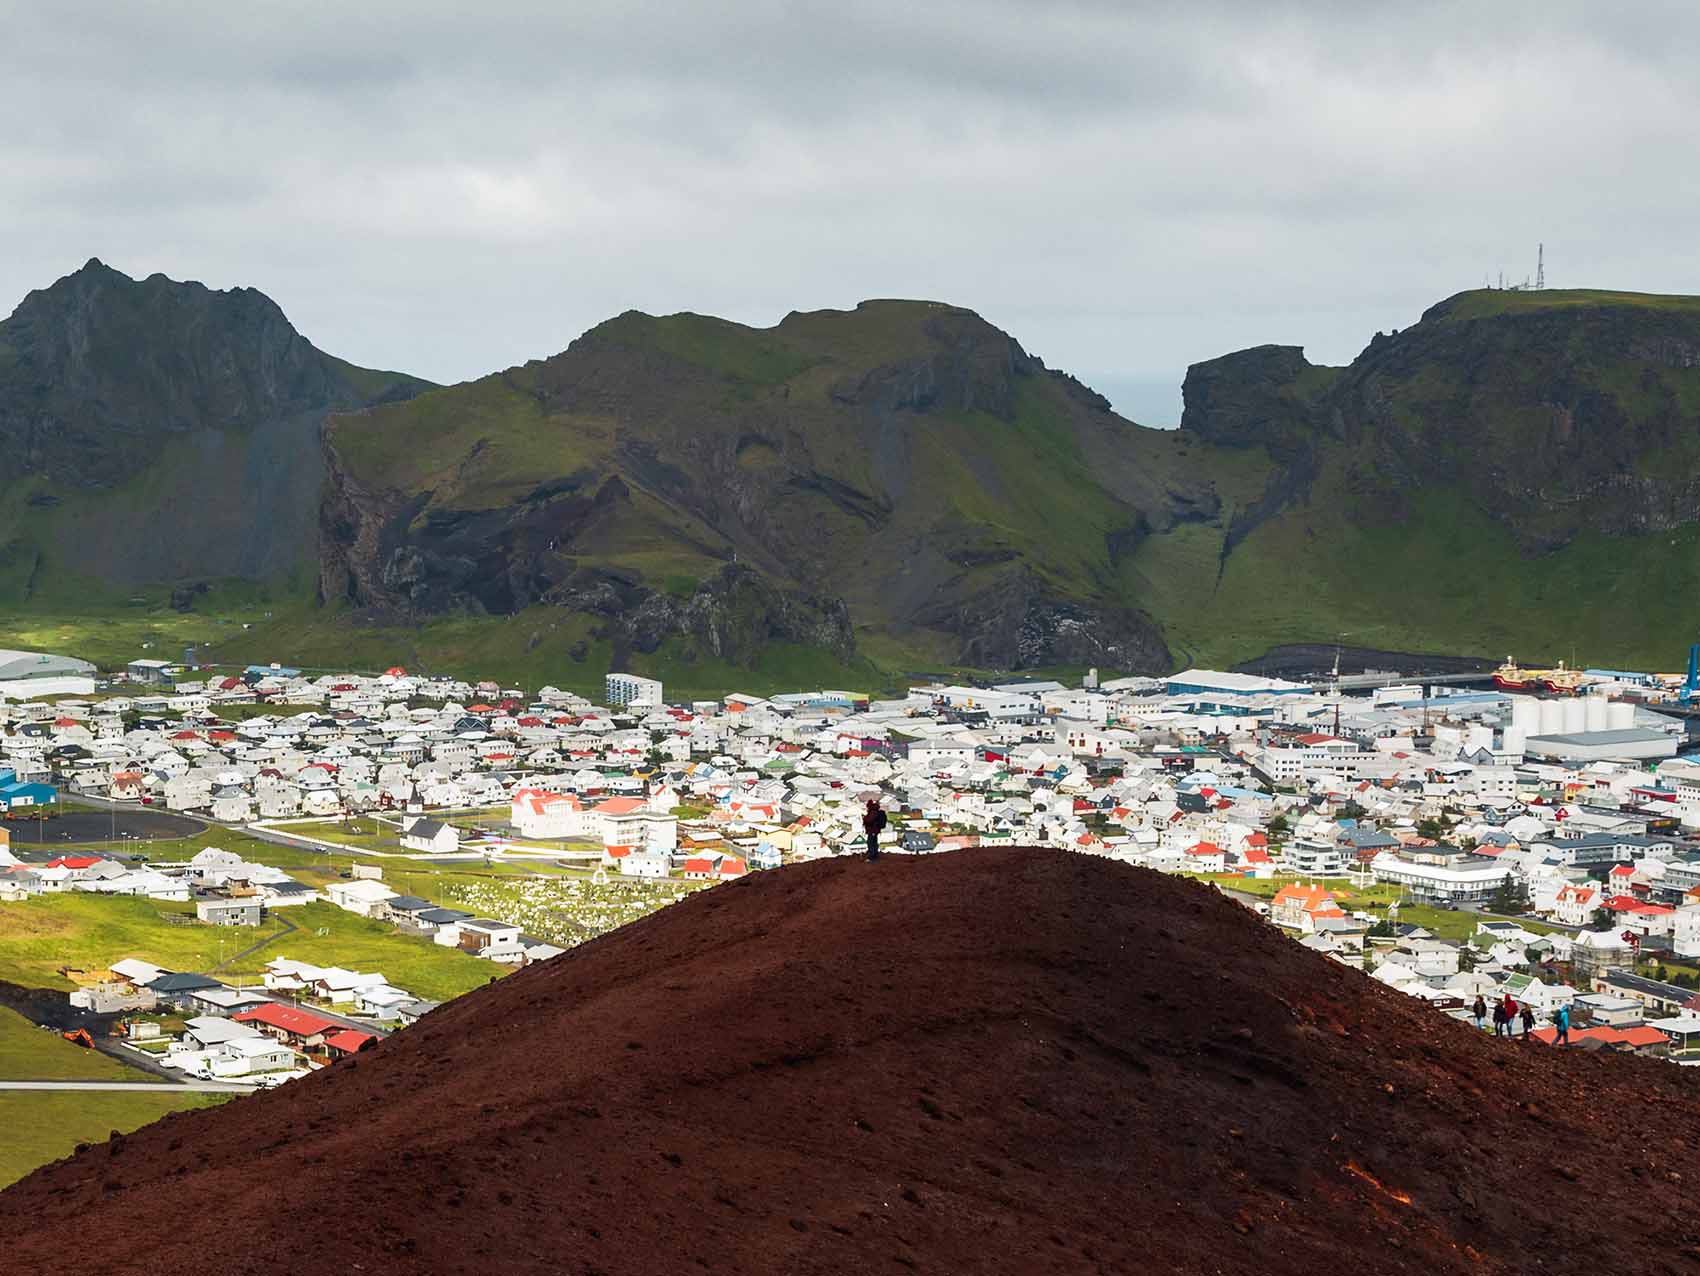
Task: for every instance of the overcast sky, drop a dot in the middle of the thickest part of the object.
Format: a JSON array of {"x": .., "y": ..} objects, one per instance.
[{"x": 453, "y": 188}]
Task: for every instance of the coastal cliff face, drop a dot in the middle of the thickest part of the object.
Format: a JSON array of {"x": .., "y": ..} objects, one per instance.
[
  {"x": 901, "y": 478},
  {"x": 1553, "y": 414}
]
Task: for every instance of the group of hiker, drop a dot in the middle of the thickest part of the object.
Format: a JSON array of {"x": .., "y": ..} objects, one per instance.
[{"x": 1507, "y": 1014}]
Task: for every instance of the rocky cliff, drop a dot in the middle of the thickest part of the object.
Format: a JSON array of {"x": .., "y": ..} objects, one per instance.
[
  {"x": 158, "y": 431},
  {"x": 905, "y": 465},
  {"x": 1515, "y": 471},
  {"x": 1554, "y": 413}
]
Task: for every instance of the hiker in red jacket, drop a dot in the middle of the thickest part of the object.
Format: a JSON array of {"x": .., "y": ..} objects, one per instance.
[
  {"x": 1509, "y": 1005},
  {"x": 873, "y": 824}
]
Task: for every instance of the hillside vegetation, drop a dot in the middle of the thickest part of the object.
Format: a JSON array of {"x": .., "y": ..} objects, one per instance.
[
  {"x": 902, "y": 468},
  {"x": 847, "y": 497}
]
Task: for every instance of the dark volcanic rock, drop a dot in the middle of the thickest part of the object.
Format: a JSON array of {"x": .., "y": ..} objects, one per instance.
[
  {"x": 104, "y": 379},
  {"x": 1018, "y": 623}
]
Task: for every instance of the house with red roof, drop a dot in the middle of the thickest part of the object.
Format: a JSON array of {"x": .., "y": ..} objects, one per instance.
[
  {"x": 346, "y": 1041},
  {"x": 1640, "y": 1039},
  {"x": 1205, "y": 857},
  {"x": 297, "y": 1027},
  {"x": 1639, "y": 916},
  {"x": 715, "y": 866},
  {"x": 1299, "y": 908},
  {"x": 539, "y": 813},
  {"x": 74, "y": 862},
  {"x": 1251, "y": 861},
  {"x": 1574, "y": 905}
]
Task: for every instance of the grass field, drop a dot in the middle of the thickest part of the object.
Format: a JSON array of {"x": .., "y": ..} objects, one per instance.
[
  {"x": 29, "y": 1053},
  {"x": 36, "y": 1128},
  {"x": 1445, "y": 923},
  {"x": 89, "y": 932},
  {"x": 1482, "y": 303},
  {"x": 39, "y": 1127}
]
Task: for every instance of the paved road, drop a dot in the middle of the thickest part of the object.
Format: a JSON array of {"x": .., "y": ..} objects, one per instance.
[
  {"x": 289, "y": 928},
  {"x": 141, "y": 1087}
]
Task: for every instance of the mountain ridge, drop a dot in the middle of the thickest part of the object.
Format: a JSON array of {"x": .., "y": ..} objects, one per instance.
[
  {"x": 194, "y": 408},
  {"x": 895, "y": 437},
  {"x": 848, "y": 493}
]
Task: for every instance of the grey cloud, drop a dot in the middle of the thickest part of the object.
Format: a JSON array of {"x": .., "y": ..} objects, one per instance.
[{"x": 1127, "y": 187}]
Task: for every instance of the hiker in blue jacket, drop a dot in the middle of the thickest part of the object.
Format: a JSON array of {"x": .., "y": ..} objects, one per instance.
[{"x": 1562, "y": 1019}]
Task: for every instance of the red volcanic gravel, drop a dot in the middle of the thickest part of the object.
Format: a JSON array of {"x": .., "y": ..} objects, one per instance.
[{"x": 987, "y": 1061}]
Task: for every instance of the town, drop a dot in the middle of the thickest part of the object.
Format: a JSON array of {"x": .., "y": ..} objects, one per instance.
[{"x": 297, "y": 865}]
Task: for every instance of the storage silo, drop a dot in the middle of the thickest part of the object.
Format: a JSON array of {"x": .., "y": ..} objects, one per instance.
[
  {"x": 1515, "y": 740},
  {"x": 1620, "y": 715},
  {"x": 1552, "y": 717},
  {"x": 1526, "y": 714},
  {"x": 1575, "y": 717},
  {"x": 1478, "y": 737},
  {"x": 1596, "y": 712}
]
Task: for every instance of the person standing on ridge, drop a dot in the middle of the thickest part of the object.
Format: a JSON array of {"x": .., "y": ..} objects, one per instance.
[
  {"x": 1562, "y": 1019},
  {"x": 1479, "y": 1010},
  {"x": 1528, "y": 1020},
  {"x": 1510, "y": 1007},
  {"x": 1499, "y": 1018},
  {"x": 873, "y": 824}
]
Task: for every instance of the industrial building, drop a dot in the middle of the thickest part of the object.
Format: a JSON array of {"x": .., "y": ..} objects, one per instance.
[
  {"x": 1629, "y": 744},
  {"x": 1215, "y": 682},
  {"x": 25, "y": 675}
]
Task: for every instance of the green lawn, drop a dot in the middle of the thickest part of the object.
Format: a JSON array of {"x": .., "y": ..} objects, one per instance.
[
  {"x": 29, "y": 1053},
  {"x": 42, "y": 1127},
  {"x": 39, "y": 1127},
  {"x": 1445, "y": 923},
  {"x": 39, "y": 936}
]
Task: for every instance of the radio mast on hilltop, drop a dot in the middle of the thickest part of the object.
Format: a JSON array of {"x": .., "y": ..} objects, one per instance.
[{"x": 1540, "y": 266}]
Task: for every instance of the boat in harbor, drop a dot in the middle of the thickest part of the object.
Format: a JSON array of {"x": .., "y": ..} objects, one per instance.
[{"x": 1559, "y": 681}]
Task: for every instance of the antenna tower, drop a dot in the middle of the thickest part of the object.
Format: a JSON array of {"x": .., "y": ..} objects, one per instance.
[{"x": 1540, "y": 266}]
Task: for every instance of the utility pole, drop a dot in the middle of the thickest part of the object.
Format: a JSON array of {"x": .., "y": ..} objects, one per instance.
[{"x": 1540, "y": 266}]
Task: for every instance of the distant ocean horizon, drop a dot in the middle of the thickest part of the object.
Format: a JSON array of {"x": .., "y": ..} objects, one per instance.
[{"x": 1149, "y": 400}]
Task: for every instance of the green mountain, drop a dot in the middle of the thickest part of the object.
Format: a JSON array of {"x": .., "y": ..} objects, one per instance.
[
  {"x": 902, "y": 475},
  {"x": 161, "y": 433},
  {"x": 857, "y": 495},
  {"x": 1516, "y": 472}
]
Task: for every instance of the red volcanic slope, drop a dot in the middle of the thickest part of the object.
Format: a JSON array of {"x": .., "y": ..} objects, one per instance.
[{"x": 987, "y": 1061}]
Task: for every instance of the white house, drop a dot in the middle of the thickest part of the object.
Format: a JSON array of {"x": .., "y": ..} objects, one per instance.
[
  {"x": 421, "y": 834},
  {"x": 645, "y": 864},
  {"x": 483, "y": 937},
  {"x": 361, "y": 897},
  {"x": 540, "y": 814},
  {"x": 244, "y": 1056},
  {"x": 1574, "y": 905},
  {"x": 230, "y": 912},
  {"x": 1685, "y": 931}
]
